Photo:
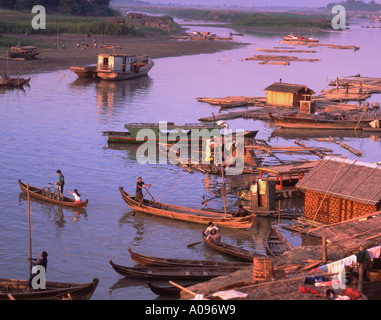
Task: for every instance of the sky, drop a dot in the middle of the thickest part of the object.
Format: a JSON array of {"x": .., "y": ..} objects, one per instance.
[{"x": 255, "y": 3}]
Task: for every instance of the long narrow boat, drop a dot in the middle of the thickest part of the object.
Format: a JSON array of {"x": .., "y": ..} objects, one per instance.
[
  {"x": 178, "y": 273},
  {"x": 312, "y": 123},
  {"x": 40, "y": 194},
  {"x": 186, "y": 214},
  {"x": 156, "y": 261},
  {"x": 276, "y": 243},
  {"x": 240, "y": 253},
  {"x": 18, "y": 290}
]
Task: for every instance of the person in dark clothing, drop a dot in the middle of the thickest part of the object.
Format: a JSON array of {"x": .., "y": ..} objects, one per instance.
[
  {"x": 43, "y": 261},
  {"x": 60, "y": 182},
  {"x": 241, "y": 212},
  {"x": 140, "y": 185}
]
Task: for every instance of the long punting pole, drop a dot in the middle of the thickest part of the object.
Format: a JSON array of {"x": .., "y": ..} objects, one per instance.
[{"x": 30, "y": 236}]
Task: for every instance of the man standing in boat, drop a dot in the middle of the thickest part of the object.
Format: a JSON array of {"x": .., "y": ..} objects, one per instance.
[
  {"x": 140, "y": 185},
  {"x": 60, "y": 182}
]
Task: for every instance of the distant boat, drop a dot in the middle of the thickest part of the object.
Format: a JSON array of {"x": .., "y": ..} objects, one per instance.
[
  {"x": 292, "y": 37},
  {"x": 130, "y": 136},
  {"x": 119, "y": 66},
  {"x": 8, "y": 82},
  {"x": 25, "y": 52}
]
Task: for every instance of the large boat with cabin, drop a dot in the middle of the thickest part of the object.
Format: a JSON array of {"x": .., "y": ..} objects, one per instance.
[{"x": 120, "y": 66}]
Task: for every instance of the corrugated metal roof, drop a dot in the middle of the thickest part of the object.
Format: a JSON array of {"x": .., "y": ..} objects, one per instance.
[
  {"x": 289, "y": 87},
  {"x": 348, "y": 179}
]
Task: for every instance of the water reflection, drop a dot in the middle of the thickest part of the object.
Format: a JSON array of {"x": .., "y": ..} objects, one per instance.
[{"x": 118, "y": 94}]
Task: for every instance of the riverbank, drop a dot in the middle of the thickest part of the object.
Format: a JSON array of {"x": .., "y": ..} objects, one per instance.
[{"x": 62, "y": 52}]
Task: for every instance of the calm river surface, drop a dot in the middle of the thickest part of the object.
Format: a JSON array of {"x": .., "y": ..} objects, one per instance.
[{"x": 57, "y": 123}]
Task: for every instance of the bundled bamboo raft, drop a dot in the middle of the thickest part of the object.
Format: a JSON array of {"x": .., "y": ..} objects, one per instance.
[
  {"x": 268, "y": 58},
  {"x": 288, "y": 50}
]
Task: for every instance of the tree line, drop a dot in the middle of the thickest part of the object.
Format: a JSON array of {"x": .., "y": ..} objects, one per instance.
[
  {"x": 73, "y": 7},
  {"x": 357, "y": 5}
]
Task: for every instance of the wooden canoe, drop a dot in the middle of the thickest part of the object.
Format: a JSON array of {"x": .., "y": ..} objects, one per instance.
[
  {"x": 276, "y": 243},
  {"x": 156, "y": 261},
  {"x": 166, "y": 291},
  {"x": 38, "y": 193},
  {"x": 240, "y": 253},
  {"x": 168, "y": 273},
  {"x": 186, "y": 214},
  {"x": 310, "y": 123},
  {"x": 17, "y": 289}
]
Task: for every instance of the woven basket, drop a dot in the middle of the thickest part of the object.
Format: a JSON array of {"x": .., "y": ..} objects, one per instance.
[{"x": 262, "y": 268}]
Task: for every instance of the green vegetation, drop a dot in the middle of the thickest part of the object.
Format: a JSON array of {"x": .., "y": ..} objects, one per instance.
[
  {"x": 257, "y": 19},
  {"x": 73, "y": 7},
  {"x": 19, "y": 22}
]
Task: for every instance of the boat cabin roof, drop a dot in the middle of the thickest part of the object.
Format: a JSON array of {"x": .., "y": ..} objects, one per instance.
[{"x": 172, "y": 125}]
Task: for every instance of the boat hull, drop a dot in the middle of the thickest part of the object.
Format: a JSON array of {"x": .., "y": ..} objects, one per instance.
[
  {"x": 168, "y": 273},
  {"x": 164, "y": 262},
  {"x": 306, "y": 123},
  {"x": 276, "y": 244},
  {"x": 186, "y": 214},
  {"x": 17, "y": 289},
  {"x": 37, "y": 193},
  {"x": 127, "y": 75}
]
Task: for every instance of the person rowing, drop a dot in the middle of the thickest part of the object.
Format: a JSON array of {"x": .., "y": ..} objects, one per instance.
[
  {"x": 214, "y": 237},
  {"x": 211, "y": 226},
  {"x": 140, "y": 185}
]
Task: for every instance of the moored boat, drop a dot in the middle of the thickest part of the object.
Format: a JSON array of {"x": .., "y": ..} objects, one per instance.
[
  {"x": 119, "y": 66},
  {"x": 297, "y": 37},
  {"x": 316, "y": 123},
  {"x": 158, "y": 132},
  {"x": 276, "y": 243},
  {"x": 24, "y": 52},
  {"x": 8, "y": 82},
  {"x": 166, "y": 291},
  {"x": 240, "y": 253},
  {"x": 157, "y": 261},
  {"x": 174, "y": 212},
  {"x": 178, "y": 273},
  {"x": 18, "y": 290},
  {"x": 47, "y": 196}
]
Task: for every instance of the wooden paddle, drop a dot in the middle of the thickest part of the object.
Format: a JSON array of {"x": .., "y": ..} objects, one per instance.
[{"x": 193, "y": 244}]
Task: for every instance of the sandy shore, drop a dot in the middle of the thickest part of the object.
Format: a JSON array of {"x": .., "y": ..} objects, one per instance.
[{"x": 54, "y": 57}]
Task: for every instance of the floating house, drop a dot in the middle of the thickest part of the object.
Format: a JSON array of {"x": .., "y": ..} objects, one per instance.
[
  {"x": 338, "y": 190},
  {"x": 287, "y": 94}
]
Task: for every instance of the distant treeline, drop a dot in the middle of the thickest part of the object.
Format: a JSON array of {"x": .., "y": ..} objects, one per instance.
[
  {"x": 73, "y": 7},
  {"x": 353, "y": 5},
  {"x": 19, "y": 22},
  {"x": 256, "y": 19}
]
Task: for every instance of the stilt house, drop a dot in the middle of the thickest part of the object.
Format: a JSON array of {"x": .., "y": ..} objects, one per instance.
[{"x": 337, "y": 190}]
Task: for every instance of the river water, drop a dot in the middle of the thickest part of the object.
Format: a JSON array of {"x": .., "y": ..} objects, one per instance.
[{"x": 57, "y": 123}]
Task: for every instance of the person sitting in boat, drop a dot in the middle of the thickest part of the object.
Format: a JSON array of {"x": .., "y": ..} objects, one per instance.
[
  {"x": 241, "y": 212},
  {"x": 214, "y": 237},
  {"x": 43, "y": 261},
  {"x": 140, "y": 185},
  {"x": 76, "y": 195},
  {"x": 211, "y": 226},
  {"x": 60, "y": 182}
]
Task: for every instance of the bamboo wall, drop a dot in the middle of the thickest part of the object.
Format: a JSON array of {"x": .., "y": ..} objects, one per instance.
[
  {"x": 333, "y": 209},
  {"x": 281, "y": 98}
]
